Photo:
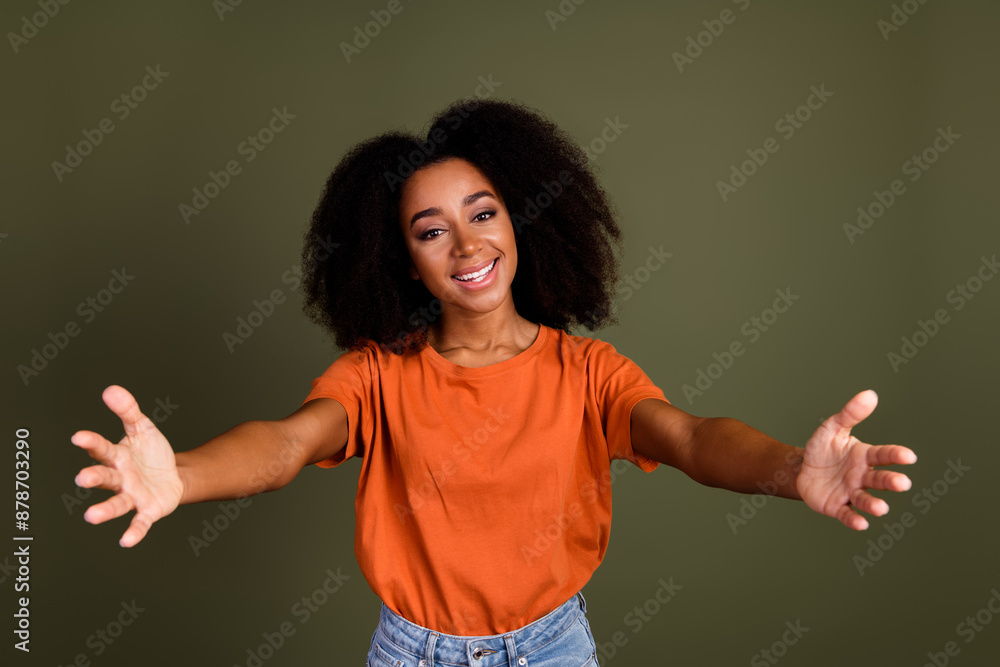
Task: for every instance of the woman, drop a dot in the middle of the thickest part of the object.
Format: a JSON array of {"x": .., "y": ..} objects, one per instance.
[{"x": 486, "y": 430}]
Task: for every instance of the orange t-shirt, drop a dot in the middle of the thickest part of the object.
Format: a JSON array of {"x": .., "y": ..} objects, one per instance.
[{"x": 484, "y": 498}]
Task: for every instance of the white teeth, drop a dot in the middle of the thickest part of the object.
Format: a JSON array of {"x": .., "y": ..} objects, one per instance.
[{"x": 478, "y": 275}]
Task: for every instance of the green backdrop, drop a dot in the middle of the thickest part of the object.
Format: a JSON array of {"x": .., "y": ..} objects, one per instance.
[{"x": 698, "y": 94}]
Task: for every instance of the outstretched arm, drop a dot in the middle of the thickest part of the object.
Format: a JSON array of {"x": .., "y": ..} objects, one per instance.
[
  {"x": 147, "y": 476},
  {"x": 831, "y": 474}
]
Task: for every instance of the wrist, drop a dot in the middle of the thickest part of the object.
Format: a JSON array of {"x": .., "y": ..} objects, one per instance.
[
  {"x": 184, "y": 474},
  {"x": 791, "y": 471}
]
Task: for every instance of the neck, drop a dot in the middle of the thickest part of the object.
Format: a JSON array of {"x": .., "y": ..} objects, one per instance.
[{"x": 502, "y": 327}]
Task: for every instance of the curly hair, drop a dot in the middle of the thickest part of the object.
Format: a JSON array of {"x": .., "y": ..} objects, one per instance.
[{"x": 566, "y": 232}]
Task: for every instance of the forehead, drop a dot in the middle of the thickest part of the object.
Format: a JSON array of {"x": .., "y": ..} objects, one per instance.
[{"x": 438, "y": 183}]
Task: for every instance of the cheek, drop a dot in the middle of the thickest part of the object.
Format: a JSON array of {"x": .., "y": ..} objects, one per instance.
[
  {"x": 429, "y": 259},
  {"x": 510, "y": 242}
]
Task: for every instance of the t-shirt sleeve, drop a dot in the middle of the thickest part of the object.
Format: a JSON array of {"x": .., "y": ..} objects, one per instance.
[
  {"x": 619, "y": 385},
  {"x": 348, "y": 380}
]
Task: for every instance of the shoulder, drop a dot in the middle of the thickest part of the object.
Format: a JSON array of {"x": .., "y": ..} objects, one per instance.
[
  {"x": 599, "y": 359},
  {"x": 361, "y": 358},
  {"x": 582, "y": 348}
]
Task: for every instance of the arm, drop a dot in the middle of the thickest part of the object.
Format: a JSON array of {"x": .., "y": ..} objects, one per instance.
[
  {"x": 720, "y": 452},
  {"x": 258, "y": 456},
  {"x": 146, "y": 476},
  {"x": 831, "y": 474}
]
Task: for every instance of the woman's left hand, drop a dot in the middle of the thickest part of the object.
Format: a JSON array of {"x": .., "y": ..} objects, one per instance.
[{"x": 837, "y": 468}]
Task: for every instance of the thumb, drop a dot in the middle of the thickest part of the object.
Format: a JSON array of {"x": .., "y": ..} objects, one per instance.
[
  {"x": 859, "y": 408},
  {"x": 123, "y": 404}
]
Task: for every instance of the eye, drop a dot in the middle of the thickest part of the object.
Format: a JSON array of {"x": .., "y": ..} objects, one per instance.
[{"x": 479, "y": 217}]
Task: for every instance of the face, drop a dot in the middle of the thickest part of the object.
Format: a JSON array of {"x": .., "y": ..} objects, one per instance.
[{"x": 459, "y": 235}]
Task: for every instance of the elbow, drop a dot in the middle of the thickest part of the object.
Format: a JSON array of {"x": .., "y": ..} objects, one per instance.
[
  {"x": 704, "y": 447},
  {"x": 280, "y": 465}
]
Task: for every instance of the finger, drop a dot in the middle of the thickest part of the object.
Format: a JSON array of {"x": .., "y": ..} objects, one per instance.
[
  {"x": 847, "y": 516},
  {"x": 136, "y": 530},
  {"x": 866, "y": 502},
  {"x": 123, "y": 404},
  {"x": 112, "y": 508},
  {"x": 887, "y": 480},
  {"x": 101, "y": 477},
  {"x": 857, "y": 409},
  {"x": 885, "y": 455},
  {"x": 97, "y": 446}
]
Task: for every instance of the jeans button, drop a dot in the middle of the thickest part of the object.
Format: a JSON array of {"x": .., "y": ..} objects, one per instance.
[
  {"x": 477, "y": 654},
  {"x": 522, "y": 661}
]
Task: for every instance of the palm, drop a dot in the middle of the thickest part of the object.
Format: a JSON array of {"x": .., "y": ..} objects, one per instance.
[
  {"x": 140, "y": 469},
  {"x": 837, "y": 468}
]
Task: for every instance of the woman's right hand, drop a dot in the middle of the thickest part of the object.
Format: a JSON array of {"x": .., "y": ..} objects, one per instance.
[{"x": 141, "y": 469}]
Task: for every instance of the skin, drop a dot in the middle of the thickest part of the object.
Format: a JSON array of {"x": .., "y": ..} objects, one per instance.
[
  {"x": 477, "y": 328},
  {"x": 832, "y": 474}
]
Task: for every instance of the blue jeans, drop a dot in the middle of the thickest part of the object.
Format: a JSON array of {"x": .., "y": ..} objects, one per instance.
[{"x": 561, "y": 638}]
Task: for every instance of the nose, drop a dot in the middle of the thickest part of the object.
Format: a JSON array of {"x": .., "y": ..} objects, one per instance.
[{"x": 467, "y": 241}]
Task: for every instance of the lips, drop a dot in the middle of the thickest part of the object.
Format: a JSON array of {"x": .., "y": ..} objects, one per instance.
[{"x": 477, "y": 271}]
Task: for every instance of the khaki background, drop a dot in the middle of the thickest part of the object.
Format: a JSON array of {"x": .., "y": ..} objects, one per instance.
[{"x": 161, "y": 337}]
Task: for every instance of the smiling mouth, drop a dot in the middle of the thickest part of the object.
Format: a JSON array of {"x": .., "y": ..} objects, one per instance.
[{"x": 478, "y": 276}]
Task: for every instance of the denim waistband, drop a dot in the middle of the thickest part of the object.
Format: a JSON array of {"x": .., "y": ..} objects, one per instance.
[{"x": 429, "y": 647}]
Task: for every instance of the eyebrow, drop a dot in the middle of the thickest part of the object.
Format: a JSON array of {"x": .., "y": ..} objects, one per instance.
[{"x": 466, "y": 201}]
